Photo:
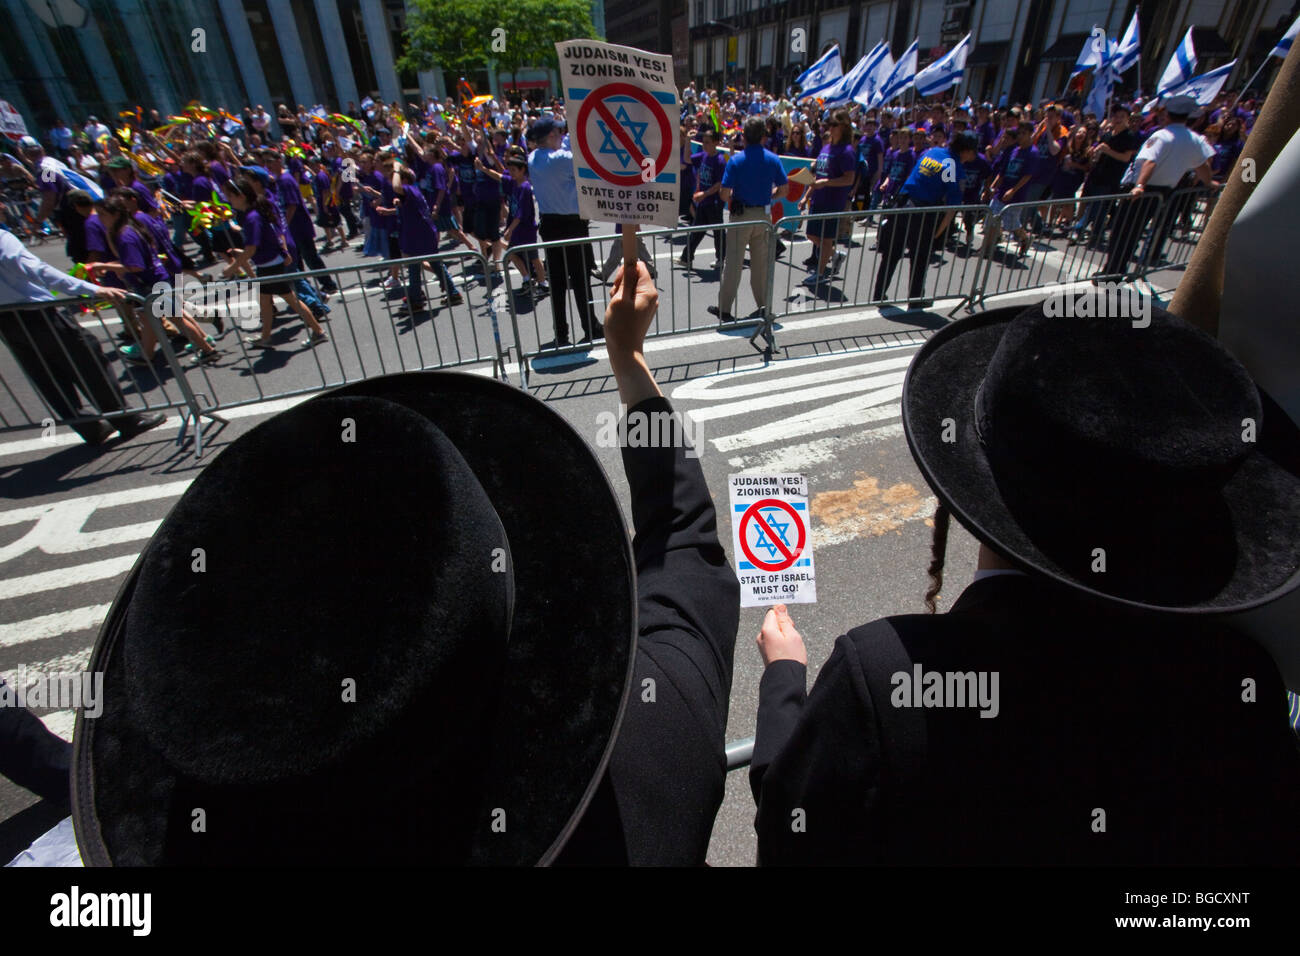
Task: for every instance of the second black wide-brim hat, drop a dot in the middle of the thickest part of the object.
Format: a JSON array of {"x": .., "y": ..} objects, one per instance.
[
  {"x": 394, "y": 624},
  {"x": 1138, "y": 465}
]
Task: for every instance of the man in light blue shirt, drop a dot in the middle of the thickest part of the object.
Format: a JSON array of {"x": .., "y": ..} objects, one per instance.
[
  {"x": 757, "y": 178},
  {"x": 550, "y": 170},
  {"x": 56, "y": 354}
]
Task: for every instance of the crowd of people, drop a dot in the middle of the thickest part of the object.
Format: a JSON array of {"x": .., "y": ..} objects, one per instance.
[
  {"x": 838, "y": 776},
  {"x": 874, "y": 159},
  {"x": 263, "y": 196}
]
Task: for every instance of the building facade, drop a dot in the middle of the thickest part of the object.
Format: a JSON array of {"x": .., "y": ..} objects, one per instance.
[
  {"x": 1024, "y": 49},
  {"x": 68, "y": 59}
]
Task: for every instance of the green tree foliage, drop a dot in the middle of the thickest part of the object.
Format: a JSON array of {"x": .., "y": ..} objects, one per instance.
[{"x": 464, "y": 35}]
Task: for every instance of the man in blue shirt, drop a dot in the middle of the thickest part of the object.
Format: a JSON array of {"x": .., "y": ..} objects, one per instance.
[
  {"x": 550, "y": 170},
  {"x": 756, "y": 177},
  {"x": 935, "y": 180}
]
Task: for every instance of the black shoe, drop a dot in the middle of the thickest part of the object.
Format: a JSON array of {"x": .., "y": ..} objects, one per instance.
[
  {"x": 136, "y": 424},
  {"x": 95, "y": 433},
  {"x": 724, "y": 316}
]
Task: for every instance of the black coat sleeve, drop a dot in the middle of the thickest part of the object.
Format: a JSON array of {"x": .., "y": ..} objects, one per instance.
[
  {"x": 781, "y": 697},
  {"x": 668, "y": 769},
  {"x": 815, "y": 800}
]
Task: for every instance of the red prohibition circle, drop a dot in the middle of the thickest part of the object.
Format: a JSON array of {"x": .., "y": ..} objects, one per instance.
[
  {"x": 598, "y": 96},
  {"x": 752, "y": 514}
]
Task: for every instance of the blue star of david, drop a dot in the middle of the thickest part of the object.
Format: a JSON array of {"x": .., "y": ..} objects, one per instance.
[
  {"x": 780, "y": 527},
  {"x": 637, "y": 131}
]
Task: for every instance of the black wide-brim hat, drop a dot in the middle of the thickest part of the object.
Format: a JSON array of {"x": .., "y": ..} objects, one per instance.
[
  {"x": 442, "y": 549},
  {"x": 1141, "y": 466}
]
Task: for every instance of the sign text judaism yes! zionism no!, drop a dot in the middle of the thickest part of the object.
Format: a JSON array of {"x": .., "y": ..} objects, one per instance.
[{"x": 616, "y": 63}]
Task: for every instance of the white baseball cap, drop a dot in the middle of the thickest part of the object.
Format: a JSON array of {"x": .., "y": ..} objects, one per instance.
[{"x": 29, "y": 142}]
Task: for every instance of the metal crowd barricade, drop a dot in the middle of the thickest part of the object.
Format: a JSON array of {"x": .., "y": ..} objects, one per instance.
[
  {"x": 71, "y": 350},
  {"x": 371, "y": 329},
  {"x": 1019, "y": 253},
  {"x": 1176, "y": 228},
  {"x": 602, "y": 255},
  {"x": 859, "y": 260}
]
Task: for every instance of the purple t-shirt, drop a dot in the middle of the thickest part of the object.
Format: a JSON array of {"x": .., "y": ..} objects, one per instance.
[
  {"x": 157, "y": 231},
  {"x": 263, "y": 236},
  {"x": 321, "y": 183},
  {"x": 522, "y": 207},
  {"x": 345, "y": 187},
  {"x": 97, "y": 237},
  {"x": 438, "y": 183},
  {"x": 135, "y": 252},
  {"x": 417, "y": 235},
  {"x": 898, "y": 165},
  {"x": 708, "y": 173},
  {"x": 871, "y": 149},
  {"x": 147, "y": 202},
  {"x": 832, "y": 163},
  {"x": 973, "y": 176},
  {"x": 1013, "y": 165},
  {"x": 219, "y": 174},
  {"x": 487, "y": 191},
  {"x": 200, "y": 189},
  {"x": 286, "y": 186}
]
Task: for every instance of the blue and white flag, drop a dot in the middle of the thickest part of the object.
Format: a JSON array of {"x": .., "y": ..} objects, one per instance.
[
  {"x": 1284, "y": 45},
  {"x": 73, "y": 178},
  {"x": 1129, "y": 49},
  {"x": 863, "y": 78},
  {"x": 1203, "y": 88},
  {"x": 822, "y": 75},
  {"x": 1181, "y": 68},
  {"x": 1093, "y": 54},
  {"x": 1103, "y": 86},
  {"x": 944, "y": 72},
  {"x": 900, "y": 77}
]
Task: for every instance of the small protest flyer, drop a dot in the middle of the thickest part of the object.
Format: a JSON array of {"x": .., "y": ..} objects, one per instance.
[
  {"x": 772, "y": 537},
  {"x": 623, "y": 128}
]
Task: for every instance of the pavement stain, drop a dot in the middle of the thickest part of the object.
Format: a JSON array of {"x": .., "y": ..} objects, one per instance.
[{"x": 866, "y": 510}]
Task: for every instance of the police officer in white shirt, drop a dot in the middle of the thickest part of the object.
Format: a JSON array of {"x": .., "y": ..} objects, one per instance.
[{"x": 1166, "y": 156}]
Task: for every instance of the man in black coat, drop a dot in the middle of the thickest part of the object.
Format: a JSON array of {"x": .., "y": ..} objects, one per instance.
[
  {"x": 547, "y": 705},
  {"x": 666, "y": 776},
  {"x": 1082, "y": 702}
]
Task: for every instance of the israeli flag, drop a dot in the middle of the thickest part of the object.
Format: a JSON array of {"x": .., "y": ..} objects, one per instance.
[
  {"x": 1284, "y": 45},
  {"x": 822, "y": 75},
  {"x": 1093, "y": 53},
  {"x": 944, "y": 72},
  {"x": 1103, "y": 85},
  {"x": 1129, "y": 49},
  {"x": 858, "y": 79},
  {"x": 1181, "y": 68},
  {"x": 900, "y": 77},
  {"x": 73, "y": 178},
  {"x": 1204, "y": 88}
]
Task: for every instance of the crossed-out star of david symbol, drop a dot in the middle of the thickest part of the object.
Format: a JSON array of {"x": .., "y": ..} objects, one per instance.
[
  {"x": 610, "y": 144},
  {"x": 768, "y": 522}
]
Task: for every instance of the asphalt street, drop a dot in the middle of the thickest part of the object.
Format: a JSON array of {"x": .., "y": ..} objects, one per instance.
[{"x": 825, "y": 405}]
